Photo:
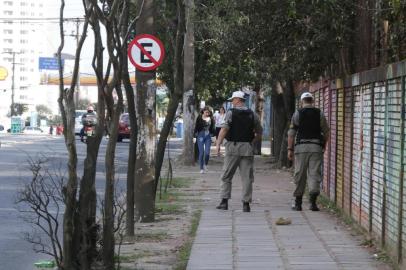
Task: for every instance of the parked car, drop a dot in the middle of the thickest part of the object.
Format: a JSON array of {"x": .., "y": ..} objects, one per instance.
[
  {"x": 124, "y": 128},
  {"x": 32, "y": 130}
]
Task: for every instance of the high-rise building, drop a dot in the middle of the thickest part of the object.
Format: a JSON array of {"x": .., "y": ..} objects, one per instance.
[{"x": 23, "y": 24}]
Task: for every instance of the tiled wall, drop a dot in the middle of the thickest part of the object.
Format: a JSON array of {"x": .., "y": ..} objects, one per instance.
[{"x": 364, "y": 162}]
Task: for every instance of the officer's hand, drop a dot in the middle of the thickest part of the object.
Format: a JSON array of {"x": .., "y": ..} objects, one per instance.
[
  {"x": 290, "y": 155},
  {"x": 218, "y": 149}
]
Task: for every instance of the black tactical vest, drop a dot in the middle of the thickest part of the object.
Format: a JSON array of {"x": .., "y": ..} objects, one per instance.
[
  {"x": 242, "y": 126},
  {"x": 309, "y": 126}
]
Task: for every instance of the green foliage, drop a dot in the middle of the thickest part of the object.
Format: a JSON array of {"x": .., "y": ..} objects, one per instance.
[
  {"x": 43, "y": 110},
  {"x": 20, "y": 108},
  {"x": 186, "y": 248},
  {"x": 394, "y": 11}
]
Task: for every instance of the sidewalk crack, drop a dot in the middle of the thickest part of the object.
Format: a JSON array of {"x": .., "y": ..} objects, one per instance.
[
  {"x": 325, "y": 245},
  {"x": 234, "y": 244},
  {"x": 278, "y": 242}
]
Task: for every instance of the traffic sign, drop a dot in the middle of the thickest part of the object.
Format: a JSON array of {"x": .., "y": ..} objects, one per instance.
[
  {"x": 146, "y": 52},
  {"x": 49, "y": 63}
]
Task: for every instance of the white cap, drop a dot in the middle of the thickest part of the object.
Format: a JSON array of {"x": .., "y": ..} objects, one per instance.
[
  {"x": 306, "y": 95},
  {"x": 237, "y": 94}
]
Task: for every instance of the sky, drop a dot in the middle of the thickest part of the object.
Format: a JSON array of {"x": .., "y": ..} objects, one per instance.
[{"x": 73, "y": 9}]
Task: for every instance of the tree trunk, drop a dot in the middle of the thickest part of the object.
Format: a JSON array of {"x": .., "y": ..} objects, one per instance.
[
  {"x": 87, "y": 204},
  {"x": 67, "y": 107},
  {"x": 363, "y": 36},
  {"x": 108, "y": 218},
  {"x": 283, "y": 103},
  {"x": 189, "y": 85},
  {"x": 129, "y": 91},
  {"x": 144, "y": 190},
  {"x": 279, "y": 119},
  {"x": 178, "y": 91},
  {"x": 259, "y": 110}
]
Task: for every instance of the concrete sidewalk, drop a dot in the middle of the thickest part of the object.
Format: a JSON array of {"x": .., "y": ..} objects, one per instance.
[{"x": 236, "y": 240}]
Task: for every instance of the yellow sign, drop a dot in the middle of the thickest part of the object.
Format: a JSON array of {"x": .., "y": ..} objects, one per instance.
[{"x": 3, "y": 73}]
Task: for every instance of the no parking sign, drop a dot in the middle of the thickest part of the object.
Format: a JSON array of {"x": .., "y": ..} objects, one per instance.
[{"x": 146, "y": 52}]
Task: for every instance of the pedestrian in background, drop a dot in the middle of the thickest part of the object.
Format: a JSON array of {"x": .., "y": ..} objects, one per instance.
[
  {"x": 241, "y": 128},
  {"x": 204, "y": 130},
  {"x": 51, "y": 130},
  {"x": 307, "y": 138},
  {"x": 219, "y": 118}
]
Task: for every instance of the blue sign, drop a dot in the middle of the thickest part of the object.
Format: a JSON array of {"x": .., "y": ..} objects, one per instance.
[{"x": 49, "y": 63}]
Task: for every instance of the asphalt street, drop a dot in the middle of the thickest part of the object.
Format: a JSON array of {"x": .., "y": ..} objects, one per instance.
[{"x": 15, "y": 151}]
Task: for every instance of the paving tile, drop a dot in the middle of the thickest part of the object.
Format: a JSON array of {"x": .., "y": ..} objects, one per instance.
[{"x": 231, "y": 240}]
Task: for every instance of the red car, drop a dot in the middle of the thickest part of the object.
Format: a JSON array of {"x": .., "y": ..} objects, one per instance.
[{"x": 124, "y": 128}]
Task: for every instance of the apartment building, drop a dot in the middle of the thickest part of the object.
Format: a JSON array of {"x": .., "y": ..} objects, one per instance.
[{"x": 23, "y": 27}]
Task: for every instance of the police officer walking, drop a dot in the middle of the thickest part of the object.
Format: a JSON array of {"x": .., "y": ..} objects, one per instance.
[
  {"x": 241, "y": 128},
  {"x": 309, "y": 133}
]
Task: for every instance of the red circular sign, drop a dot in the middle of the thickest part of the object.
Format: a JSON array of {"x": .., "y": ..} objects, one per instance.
[{"x": 146, "y": 52}]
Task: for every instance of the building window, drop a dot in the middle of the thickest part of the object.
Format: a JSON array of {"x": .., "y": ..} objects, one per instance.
[
  {"x": 7, "y": 50},
  {"x": 23, "y": 13},
  {"x": 7, "y": 31},
  {"x": 23, "y": 78},
  {"x": 8, "y": 40},
  {"x": 24, "y": 88},
  {"x": 8, "y": 59},
  {"x": 7, "y": 12},
  {"x": 23, "y": 97},
  {"x": 23, "y": 69},
  {"x": 23, "y": 32},
  {"x": 23, "y": 4},
  {"x": 24, "y": 41},
  {"x": 8, "y": 3}
]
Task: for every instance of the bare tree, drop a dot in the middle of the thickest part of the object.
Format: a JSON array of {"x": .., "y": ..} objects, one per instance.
[
  {"x": 40, "y": 203},
  {"x": 129, "y": 91},
  {"x": 67, "y": 108},
  {"x": 80, "y": 231}
]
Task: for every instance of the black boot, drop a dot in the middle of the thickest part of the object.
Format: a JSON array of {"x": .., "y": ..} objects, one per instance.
[
  {"x": 298, "y": 204},
  {"x": 246, "y": 207},
  {"x": 223, "y": 204},
  {"x": 313, "y": 205}
]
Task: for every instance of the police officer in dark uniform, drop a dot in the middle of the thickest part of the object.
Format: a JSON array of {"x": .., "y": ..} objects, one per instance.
[
  {"x": 307, "y": 137},
  {"x": 241, "y": 128}
]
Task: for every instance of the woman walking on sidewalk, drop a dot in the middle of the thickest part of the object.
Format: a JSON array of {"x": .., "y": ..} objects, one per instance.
[
  {"x": 220, "y": 120},
  {"x": 204, "y": 129}
]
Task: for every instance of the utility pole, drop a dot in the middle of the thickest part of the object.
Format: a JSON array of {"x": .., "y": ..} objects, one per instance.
[
  {"x": 12, "y": 106},
  {"x": 77, "y": 37}
]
